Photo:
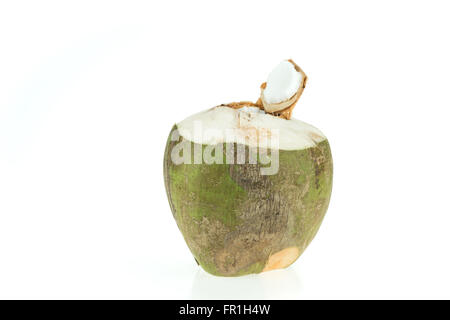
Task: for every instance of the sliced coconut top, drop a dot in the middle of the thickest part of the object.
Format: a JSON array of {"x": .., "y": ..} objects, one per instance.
[
  {"x": 282, "y": 83},
  {"x": 283, "y": 88},
  {"x": 250, "y": 126}
]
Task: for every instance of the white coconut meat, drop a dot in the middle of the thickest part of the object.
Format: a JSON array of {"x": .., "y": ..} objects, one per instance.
[
  {"x": 283, "y": 88},
  {"x": 282, "y": 83},
  {"x": 250, "y": 126}
]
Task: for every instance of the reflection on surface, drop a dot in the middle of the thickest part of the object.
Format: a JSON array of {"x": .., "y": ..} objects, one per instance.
[{"x": 278, "y": 284}]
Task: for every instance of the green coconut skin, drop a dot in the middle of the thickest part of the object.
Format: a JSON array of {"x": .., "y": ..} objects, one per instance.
[{"x": 233, "y": 218}]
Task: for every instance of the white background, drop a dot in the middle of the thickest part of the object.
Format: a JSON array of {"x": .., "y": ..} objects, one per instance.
[{"x": 89, "y": 91}]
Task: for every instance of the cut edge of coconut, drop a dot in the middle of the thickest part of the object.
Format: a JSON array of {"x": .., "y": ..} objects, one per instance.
[
  {"x": 283, "y": 88},
  {"x": 282, "y": 259},
  {"x": 248, "y": 125}
]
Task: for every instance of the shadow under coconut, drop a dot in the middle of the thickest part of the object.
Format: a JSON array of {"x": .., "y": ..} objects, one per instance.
[{"x": 277, "y": 284}]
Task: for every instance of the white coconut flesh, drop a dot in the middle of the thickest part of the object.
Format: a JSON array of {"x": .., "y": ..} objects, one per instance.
[
  {"x": 282, "y": 83},
  {"x": 250, "y": 126}
]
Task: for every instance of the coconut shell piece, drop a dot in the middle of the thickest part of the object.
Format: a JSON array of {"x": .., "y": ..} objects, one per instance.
[
  {"x": 284, "y": 109},
  {"x": 281, "y": 109}
]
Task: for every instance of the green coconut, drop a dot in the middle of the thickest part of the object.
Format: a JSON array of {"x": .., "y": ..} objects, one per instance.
[{"x": 248, "y": 185}]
